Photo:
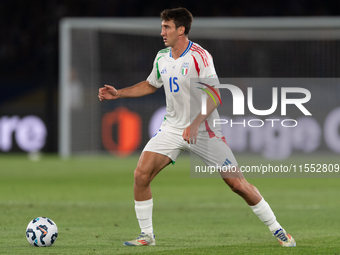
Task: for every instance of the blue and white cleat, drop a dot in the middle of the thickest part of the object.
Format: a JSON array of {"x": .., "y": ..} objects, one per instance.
[
  {"x": 285, "y": 239},
  {"x": 142, "y": 240}
]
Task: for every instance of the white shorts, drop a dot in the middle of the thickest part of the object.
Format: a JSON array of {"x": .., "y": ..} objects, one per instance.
[{"x": 211, "y": 147}]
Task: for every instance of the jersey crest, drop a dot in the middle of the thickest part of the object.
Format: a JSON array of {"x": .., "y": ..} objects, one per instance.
[{"x": 185, "y": 68}]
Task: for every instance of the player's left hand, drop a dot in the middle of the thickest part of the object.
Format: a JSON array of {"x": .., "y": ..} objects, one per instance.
[{"x": 190, "y": 134}]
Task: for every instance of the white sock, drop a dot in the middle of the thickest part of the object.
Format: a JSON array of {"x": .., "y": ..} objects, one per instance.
[
  {"x": 144, "y": 215},
  {"x": 266, "y": 215}
]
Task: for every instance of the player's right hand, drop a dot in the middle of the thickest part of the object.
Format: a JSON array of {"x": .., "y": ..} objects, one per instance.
[{"x": 107, "y": 93}]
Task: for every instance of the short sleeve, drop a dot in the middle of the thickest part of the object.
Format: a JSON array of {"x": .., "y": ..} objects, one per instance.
[
  {"x": 155, "y": 78},
  {"x": 207, "y": 69}
]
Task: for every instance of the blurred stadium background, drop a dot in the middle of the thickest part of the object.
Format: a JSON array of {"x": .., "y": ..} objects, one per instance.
[{"x": 31, "y": 66}]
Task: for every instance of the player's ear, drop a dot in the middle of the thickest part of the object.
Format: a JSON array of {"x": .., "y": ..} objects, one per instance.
[{"x": 181, "y": 30}]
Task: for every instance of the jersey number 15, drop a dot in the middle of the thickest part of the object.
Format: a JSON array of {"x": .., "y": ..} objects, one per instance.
[{"x": 172, "y": 81}]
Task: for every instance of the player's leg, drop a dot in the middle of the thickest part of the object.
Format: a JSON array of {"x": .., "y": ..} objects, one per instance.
[
  {"x": 252, "y": 196},
  {"x": 149, "y": 165},
  {"x": 260, "y": 207},
  {"x": 215, "y": 151},
  {"x": 240, "y": 186},
  {"x": 160, "y": 151}
]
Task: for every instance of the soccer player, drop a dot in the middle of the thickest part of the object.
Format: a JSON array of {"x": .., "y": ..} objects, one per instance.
[{"x": 173, "y": 68}]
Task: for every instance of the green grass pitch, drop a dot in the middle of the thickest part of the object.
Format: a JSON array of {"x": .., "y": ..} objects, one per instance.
[{"x": 91, "y": 200}]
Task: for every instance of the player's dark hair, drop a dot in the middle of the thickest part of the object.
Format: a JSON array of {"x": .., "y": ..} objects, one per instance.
[{"x": 181, "y": 17}]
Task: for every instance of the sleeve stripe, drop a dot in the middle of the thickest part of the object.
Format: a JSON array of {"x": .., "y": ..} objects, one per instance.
[
  {"x": 202, "y": 53},
  {"x": 158, "y": 74},
  {"x": 196, "y": 65},
  {"x": 194, "y": 48}
]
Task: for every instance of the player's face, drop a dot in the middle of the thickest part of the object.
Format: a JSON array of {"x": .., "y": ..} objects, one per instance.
[{"x": 170, "y": 33}]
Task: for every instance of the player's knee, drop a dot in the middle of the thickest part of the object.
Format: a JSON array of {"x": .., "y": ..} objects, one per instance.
[{"x": 142, "y": 177}]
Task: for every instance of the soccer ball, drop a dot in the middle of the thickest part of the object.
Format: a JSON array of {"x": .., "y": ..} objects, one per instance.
[{"x": 41, "y": 232}]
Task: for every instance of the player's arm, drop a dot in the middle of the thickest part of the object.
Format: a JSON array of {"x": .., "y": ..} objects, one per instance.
[
  {"x": 140, "y": 89},
  {"x": 191, "y": 132}
]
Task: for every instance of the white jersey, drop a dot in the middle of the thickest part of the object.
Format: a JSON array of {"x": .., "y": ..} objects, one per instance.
[{"x": 195, "y": 62}]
